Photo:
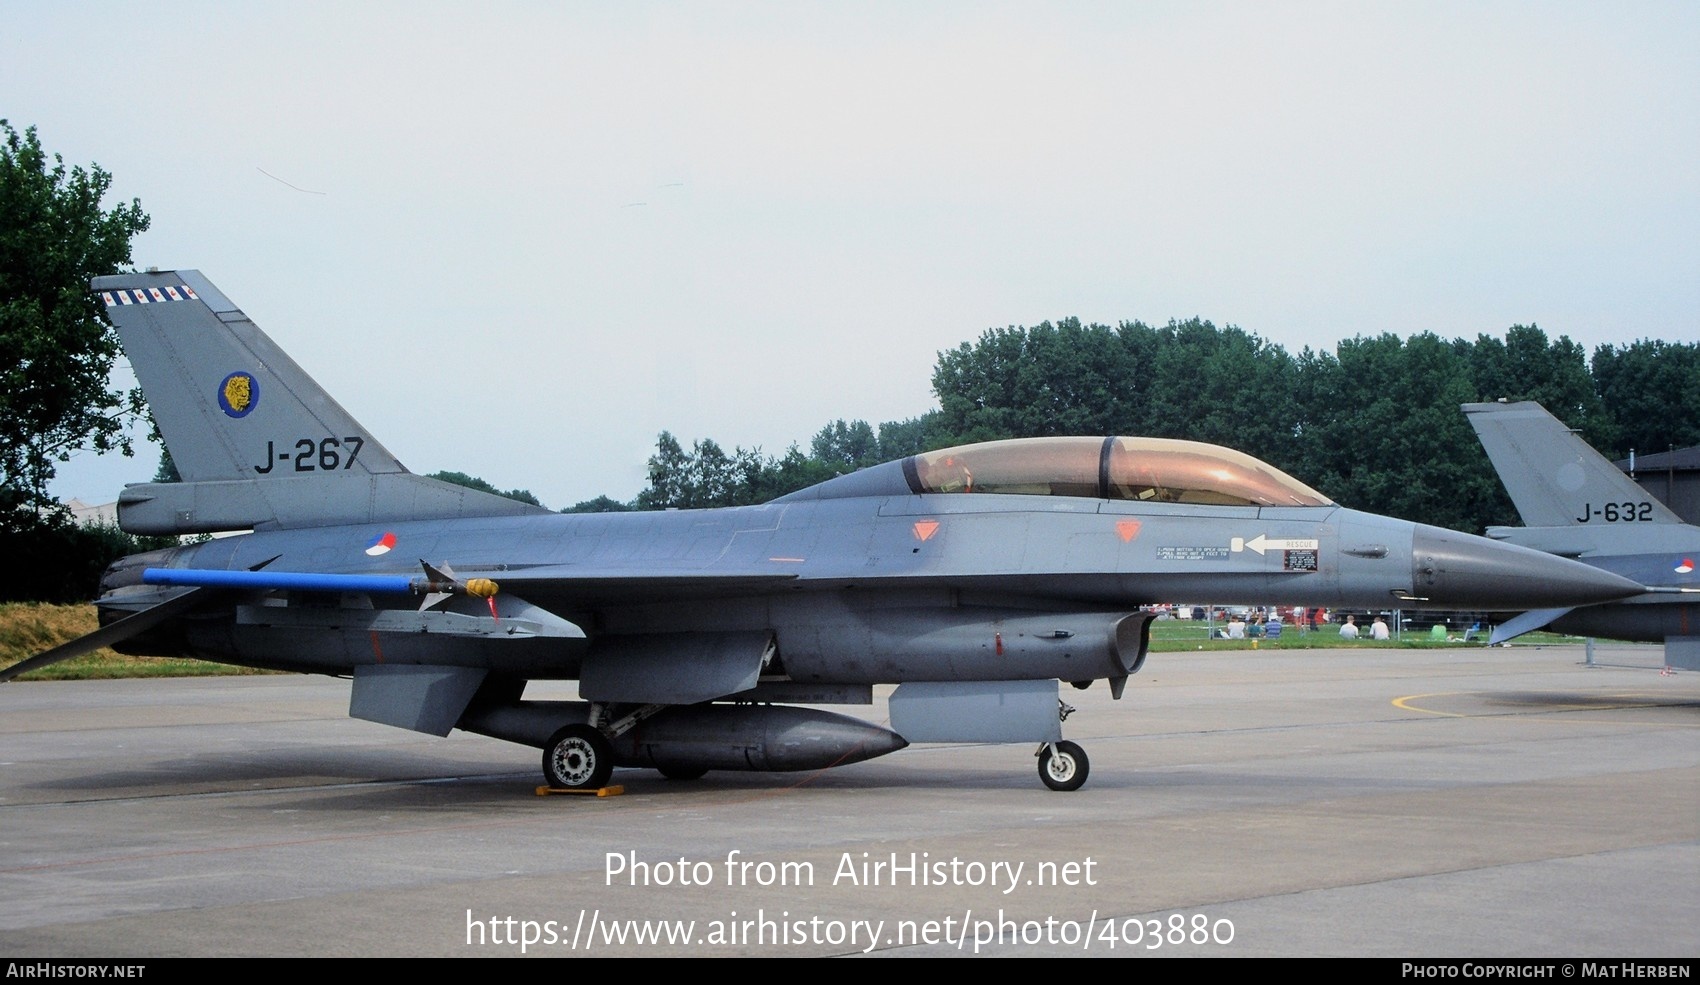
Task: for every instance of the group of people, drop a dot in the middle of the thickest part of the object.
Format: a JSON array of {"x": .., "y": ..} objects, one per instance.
[
  {"x": 1377, "y": 630},
  {"x": 1270, "y": 625},
  {"x": 1260, "y": 625}
]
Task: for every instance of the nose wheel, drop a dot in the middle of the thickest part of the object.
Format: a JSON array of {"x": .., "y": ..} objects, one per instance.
[{"x": 1063, "y": 765}]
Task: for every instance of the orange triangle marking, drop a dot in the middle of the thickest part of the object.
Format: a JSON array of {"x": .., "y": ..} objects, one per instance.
[
  {"x": 924, "y": 529},
  {"x": 1127, "y": 529}
]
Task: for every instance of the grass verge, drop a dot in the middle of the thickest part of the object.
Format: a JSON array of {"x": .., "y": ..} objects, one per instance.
[
  {"x": 29, "y": 628},
  {"x": 1173, "y": 635}
]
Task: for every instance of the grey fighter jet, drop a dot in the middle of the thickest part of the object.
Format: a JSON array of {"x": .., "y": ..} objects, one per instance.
[
  {"x": 1575, "y": 503},
  {"x": 975, "y": 578}
]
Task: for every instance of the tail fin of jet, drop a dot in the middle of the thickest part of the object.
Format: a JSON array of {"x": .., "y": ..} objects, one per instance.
[
  {"x": 1553, "y": 477},
  {"x": 257, "y": 442}
]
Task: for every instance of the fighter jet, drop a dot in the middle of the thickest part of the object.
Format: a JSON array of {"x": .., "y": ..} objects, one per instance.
[
  {"x": 1575, "y": 503},
  {"x": 974, "y": 578}
]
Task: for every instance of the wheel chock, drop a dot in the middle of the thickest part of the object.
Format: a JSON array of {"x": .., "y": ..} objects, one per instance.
[{"x": 611, "y": 791}]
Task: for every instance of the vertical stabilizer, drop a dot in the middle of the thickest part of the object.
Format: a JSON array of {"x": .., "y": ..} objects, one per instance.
[
  {"x": 222, "y": 391},
  {"x": 255, "y": 439},
  {"x": 1553, "y": 477}
]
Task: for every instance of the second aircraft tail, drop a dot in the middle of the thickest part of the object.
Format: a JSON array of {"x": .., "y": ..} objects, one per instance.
[{"x": 1553, "y": 477}]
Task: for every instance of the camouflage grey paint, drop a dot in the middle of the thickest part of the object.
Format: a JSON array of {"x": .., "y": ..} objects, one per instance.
[{"x": 857, "y": 581}]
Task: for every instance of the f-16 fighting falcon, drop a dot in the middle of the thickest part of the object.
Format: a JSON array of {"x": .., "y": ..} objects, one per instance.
[
  {"x": 975, "y": 578},
  {"x": 1577, "y": 504}
]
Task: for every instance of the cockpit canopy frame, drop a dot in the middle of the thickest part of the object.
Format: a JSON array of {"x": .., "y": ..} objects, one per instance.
[{"x": 1151, "y": 470}]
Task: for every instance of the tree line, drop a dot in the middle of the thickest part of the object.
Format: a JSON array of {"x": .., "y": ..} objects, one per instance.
[
  {"x": 1374, "y": 424},
  {"x": 56, "y": 356}
]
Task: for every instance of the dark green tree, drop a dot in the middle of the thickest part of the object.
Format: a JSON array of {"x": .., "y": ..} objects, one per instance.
[
  {"x": 601, "y": 504},
  {"x": 56, "y": 559},
  {"x": 913, "y": 435},
  {"x": 703, "y": 477},
  {"x": 793, "y": 472},
  {"x": 1221, "y": 385},
  {"x": 56, "y": 346},
  {"x": 1382, "y": 431},
  {"x": 1526, "y": 365},
  {"x": 167, "y": 471},
  {"x": 847, "y": 446},
  {"x": 1016, "y": 382},
  {"x": 1187, "y": 380},
  {"x": 1648, "y": 390},
  {"x": 706, "y": 476},
  {"x": 473, "y": 482},
  {"x": 668, "y": 475}
]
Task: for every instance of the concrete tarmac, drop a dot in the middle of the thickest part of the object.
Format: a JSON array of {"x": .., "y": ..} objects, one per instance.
[{"x": 1404, "y": 803}]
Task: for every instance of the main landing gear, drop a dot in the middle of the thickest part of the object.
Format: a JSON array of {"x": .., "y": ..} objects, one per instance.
[
  {"x": 1062, "y": 764},
  {"x": 581, "y": 757},
  {"x": 578, "y": 757}
]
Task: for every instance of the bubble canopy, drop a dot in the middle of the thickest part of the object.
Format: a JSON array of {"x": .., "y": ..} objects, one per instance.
[{"x": 1151, "y": 470}]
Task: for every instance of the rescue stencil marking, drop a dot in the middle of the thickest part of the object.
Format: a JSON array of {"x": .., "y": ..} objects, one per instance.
[{"x": 1262, "y": 543}]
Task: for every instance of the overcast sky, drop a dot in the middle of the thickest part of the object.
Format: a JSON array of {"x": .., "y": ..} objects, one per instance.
[{"x": 518, "y": 240}]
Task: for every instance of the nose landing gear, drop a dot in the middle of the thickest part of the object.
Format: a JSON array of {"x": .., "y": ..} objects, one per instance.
[{"x": 1062, "y": 765}]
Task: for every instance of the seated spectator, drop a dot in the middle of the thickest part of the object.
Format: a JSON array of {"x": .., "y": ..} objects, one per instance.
[
  {"x": 1349, "y": 629},
  {"x": 1236, "y": 628},
  {"x": 1378, "y": 631}
]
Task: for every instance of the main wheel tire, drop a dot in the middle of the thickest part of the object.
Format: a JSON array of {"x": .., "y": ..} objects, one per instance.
[
  {"x": 1063, "y": 766},
  {"x": 578, "y": 757}
]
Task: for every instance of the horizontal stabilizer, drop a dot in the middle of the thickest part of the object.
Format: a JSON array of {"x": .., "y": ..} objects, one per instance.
[{"x": 168, "y": 508}]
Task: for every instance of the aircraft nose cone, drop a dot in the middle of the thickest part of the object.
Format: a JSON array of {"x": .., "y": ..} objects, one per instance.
[{"x": 1459, "y": 569}]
